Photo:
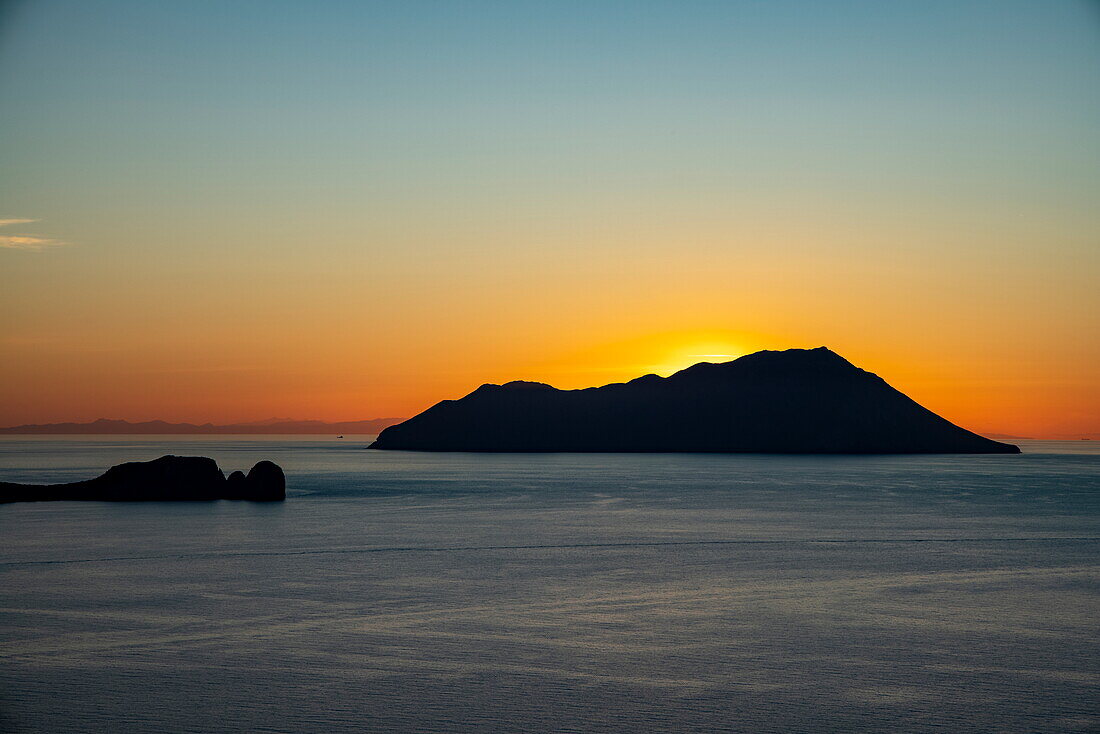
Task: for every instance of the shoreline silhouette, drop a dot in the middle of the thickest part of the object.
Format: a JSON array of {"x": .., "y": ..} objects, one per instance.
[{"x": 167, "y": 479}]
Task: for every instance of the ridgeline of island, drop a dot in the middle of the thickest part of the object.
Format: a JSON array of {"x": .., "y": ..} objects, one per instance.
[
  {"x": 167, "y": 479},
  {"x": 797, "y": 401}
]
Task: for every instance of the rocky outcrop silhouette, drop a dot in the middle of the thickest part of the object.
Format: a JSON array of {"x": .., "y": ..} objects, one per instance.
[
  {"x": 169, "y": 478},
  {"x": 265, "y": 480},
  {"x": 793, "y": 401},
  {"x": 236, "y": 485}
]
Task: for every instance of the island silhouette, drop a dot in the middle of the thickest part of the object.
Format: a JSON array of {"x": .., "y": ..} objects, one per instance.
[
  {"x": 167, "y": 479},
  {"x": 793, "y": 401}
]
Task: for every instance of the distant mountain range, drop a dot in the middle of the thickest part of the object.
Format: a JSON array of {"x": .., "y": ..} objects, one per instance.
[
  {"x": 793, "y": 401},
  {"x": 270, "y": 426}
]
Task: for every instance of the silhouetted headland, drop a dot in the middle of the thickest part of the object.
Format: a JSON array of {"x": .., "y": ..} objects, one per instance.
[
  {"x": 167, "y": 479},
  {"x": 793, "y": 401}
]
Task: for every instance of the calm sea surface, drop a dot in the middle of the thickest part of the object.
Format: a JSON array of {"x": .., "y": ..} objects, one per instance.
[{"x": 512, "y": 593}]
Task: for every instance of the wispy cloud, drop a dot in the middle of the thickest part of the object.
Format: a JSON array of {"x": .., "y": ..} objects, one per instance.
[{"x": 25, "y": 241}]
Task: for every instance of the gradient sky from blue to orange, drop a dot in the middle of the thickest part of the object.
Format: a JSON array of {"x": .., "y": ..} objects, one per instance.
[{"x": 343, "y": 210}]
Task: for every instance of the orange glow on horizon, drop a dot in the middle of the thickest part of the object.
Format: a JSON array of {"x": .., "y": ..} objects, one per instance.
[
  {"x": 1017, "y": 404},
  {"x": 365, "y": 336}
]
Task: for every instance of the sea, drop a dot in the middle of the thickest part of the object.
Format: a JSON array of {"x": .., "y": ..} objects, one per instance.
[{"x": 424, "y": 592}]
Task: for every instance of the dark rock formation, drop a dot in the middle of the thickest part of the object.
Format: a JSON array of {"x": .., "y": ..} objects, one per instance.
[
  {"x": 794, "y": 401},
  {"x": 266, "y": 482},
  {"x": 169, "y": 478},
  {"x": 236, "y": 486}
]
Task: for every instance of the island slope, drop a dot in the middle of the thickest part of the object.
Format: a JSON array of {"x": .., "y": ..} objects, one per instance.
[{"x": 793, "y": 401}]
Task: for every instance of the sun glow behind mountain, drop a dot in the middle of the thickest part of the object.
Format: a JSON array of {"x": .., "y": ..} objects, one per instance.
[
  {"x": 685, "y": 357},
  {"x": 661, "y": 353}
]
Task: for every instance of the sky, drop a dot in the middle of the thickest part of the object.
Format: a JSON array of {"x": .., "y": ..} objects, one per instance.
[{"x": 228, "y": 211}]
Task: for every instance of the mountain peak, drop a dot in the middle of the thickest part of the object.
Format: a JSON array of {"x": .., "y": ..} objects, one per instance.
[
  {"x": 818, "y": 357},
  {"x": 818, "y": 360},
  {"x": 526, "y": 385}
]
